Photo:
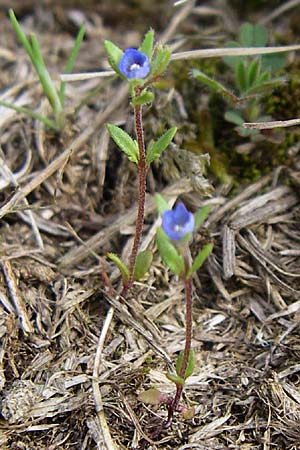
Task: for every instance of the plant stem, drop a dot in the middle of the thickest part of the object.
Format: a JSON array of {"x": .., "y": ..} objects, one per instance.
[
  {"x": 142, "y": 172},
  {"x": 188, "y": 284}
]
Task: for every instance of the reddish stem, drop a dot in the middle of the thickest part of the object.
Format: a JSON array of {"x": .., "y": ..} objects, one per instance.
[
  {"x": 142, "y": 171},
  {"x": 187, "y": 348}
]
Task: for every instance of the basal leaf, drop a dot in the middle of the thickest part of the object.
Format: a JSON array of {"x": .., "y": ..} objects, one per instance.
[
  {"x": 150, "y": 397},
  {"x": 200, "y": 258},
  {"x": 169, "y": 253},
  {"x": 121, "y": 266},
  {"x": 156, "y": 148},
  {"x": 124, "y": 142},
  {"x": 142, "y": 264},
  {"x": 147, "y": 44}
]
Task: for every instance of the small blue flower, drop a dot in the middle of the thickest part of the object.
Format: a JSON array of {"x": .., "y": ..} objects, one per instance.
[
  {"x": 178, "y": 222},
  {"x": 134, "y": 64}
]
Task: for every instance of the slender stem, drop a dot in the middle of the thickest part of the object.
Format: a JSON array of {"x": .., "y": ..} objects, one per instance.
[
  {"x": 188, "y": 325},
  {"x": 142, "y": 171},
  {"x": 187, "y": 348}
]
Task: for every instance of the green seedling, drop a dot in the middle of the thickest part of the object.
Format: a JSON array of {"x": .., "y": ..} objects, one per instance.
[{"x": 252, "y": 76}]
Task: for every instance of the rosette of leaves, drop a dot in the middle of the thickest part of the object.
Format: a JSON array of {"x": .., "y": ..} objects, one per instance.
[{"x": 252, "y": 77}]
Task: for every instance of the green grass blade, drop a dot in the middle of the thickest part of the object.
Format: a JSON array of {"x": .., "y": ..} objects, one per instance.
[
  {"x": 46, "y": 81},
  {"x": 71, "y": 61},
  {"x": 49, "y": 123},
  {"x": 33, "y": 50},
  {"x": 20, "y": 34},
  {"x": 38, "y": 60}
]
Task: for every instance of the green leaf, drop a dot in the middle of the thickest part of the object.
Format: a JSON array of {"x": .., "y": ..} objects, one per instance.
[
  {"x": 234, "y": 117},
  {"x": 156, "y": 148},
  {"x": 263, "y": 77},
  {"x": 253, "y": 72},
  {"x": 147, "y": 44},
  {"x": 232, "y": 61},
  {"x": 265, "y": 86},
  {"x": 175, "y": 379},
  {"x": 49, "y": 123},
  {"x": 200, "y": 258},
  {"x": 144, "y": 98},
  {"x": 161, "y": 204},
  {"x": 241, "y": 76},
  {"x": 20, "y": 34},
  {"x": 160, "y": 60},
  {"x": 190, "y": 365},
  {"x": 201, "y": 215},
  {"x": 114, "y": 54},
  {"x": 121, "y": 266},
  {"x": 205, "y": 79},
  {"x": 253, "y": 35},
  {"x": 216, "y": 86},
  {"x": 124, "y": 142},
  {"x": 169, "y": 253},
  {"x": 142, "y": 264},
  {"x": 273, "y": 61}
]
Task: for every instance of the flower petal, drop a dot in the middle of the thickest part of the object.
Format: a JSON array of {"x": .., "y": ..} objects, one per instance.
[
  {"x": 178, "y": 223},
  {"x": 134, "y": 64}
]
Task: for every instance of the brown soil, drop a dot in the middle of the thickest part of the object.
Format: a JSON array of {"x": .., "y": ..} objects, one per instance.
[{"x": 69, "y": 198}]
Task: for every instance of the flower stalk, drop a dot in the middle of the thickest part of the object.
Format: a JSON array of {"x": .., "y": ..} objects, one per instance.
[
  {"x": 140, "y": 68},
  {"x": 173, "y": 240},
  {"x": 142, "y": 175},
  {"x": 173, "y": 406}
]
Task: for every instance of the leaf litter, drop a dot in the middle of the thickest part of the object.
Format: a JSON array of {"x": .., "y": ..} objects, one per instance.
[{"x": 67, "y": 200}]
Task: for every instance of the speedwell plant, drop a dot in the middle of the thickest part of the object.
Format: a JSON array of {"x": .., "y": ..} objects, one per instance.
[
  {"x": 140, "y": 68},
  {"x": 173, "y": 240}
]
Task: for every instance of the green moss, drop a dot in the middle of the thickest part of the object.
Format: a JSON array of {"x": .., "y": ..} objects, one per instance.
[{"x": 206, "y": 131}]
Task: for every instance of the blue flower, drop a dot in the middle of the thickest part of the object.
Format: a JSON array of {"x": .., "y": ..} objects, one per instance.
[
  {"x": 178, "y": 222},
  {"x": 134, "y": 64}
]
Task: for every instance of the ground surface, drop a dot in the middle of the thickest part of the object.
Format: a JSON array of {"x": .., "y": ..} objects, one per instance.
[{"x": 69, "y": 198}]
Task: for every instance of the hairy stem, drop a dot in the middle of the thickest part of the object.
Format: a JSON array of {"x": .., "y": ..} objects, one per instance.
[
  {"x": 187, "y": 348},
  {"x": 142, "y": 171}
]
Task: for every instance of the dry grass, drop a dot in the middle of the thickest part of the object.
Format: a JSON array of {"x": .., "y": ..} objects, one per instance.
[{"x": 66, "y": 200}]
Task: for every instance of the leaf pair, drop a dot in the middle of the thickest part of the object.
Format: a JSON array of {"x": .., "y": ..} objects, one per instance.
[
  {"x": 130, "y": 146},
  {"x": 180, "y": 378},
  {"x": 142, "y": 264}
]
